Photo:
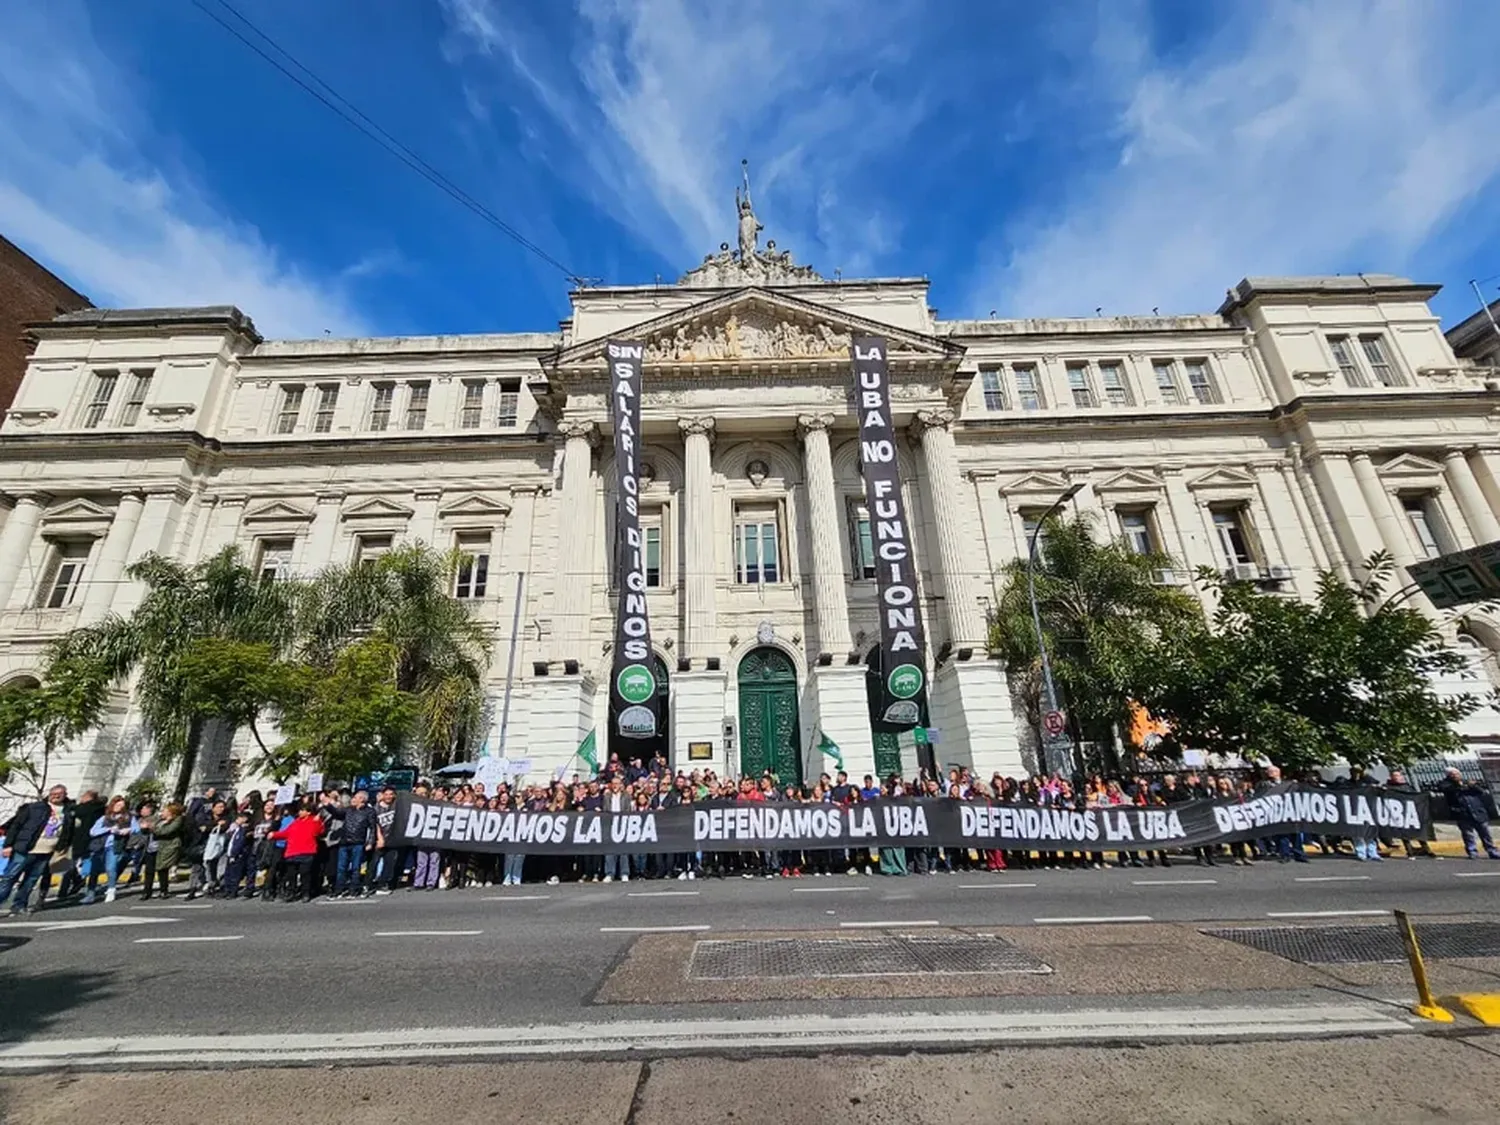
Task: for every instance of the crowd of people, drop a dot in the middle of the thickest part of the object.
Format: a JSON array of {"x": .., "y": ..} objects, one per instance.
[{"x": 343, "y": 843}]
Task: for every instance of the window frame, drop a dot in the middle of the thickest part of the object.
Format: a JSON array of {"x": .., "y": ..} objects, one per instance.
[
  {"x": 63, "y": 558},
  {"x": 759, "y": 516},
  {"x": 289, "y": 410},
  {"x": 371, "y": 545},
  {"x": 271, "y": 546},
  {"x": 135, "y": 397},
  {"x": 1212, "y": 396},
  {"x": 1081, "y": 384},
  {"x": 96, "y": 407},
  {"x": 992, "y": 388},
  {"x": 861, "y": 540},
  {"x": 383, "y": 412},
  {"x": 471, "y": 406},
  {"x": 325, "y": 408},
  {"x": 1424, "y": 505},
  {"x": 1348, "y": 366},
  {"x": 1122, "y": 385},
  {"x": 1146, "y": 513},
  {"x": 508, "y": 404},
  {"x": 1387, "y": 361},
  {"x": 1238, "y": 512},
  {"x": 1031, "y": 399},
  {"x": 471, "y": 576},
  {"x": 418, "y": 402},
  {"x": 1168, "y": 386},
  {"x": 1033, "y": 517}
]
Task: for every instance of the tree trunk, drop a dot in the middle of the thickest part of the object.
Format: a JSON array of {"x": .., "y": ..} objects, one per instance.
[{"x": 189, "y": 761}]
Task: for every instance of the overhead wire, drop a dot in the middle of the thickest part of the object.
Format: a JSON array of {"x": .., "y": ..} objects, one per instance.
[{"x": 358, "y": 119}]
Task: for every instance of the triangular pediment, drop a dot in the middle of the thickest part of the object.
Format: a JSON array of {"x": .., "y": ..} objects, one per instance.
[
  {"x": 77, "y": 511},
  {"x": 1036, "y": 482},
  {"x": 376, "y": 508},
  {"x": 1223, "y": 478},
  {"x": 1131, "y": 480},
  {"x": 758, "y": 325},
  {"x": 278, "y": 511},
  {"x": 474, "y": 505},
  {"x": 1410, "y": 465}
]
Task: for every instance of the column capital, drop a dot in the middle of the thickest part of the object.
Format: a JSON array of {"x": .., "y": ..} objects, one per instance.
[
  {"x": 1456, "y": 454},
  {"x": 428, "y": 492},
  {"x": 330, "y": 496},
  {"x": 813, "y": 423},
  {"x": 928, "y": 420},
  {"x": 697, "y": 427},
  {"x": 573, "y": 429},
  {"x": 39, "y": 499}
]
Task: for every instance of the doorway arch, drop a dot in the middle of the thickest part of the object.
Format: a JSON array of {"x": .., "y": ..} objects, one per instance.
[{"x": 770, "y": 731}]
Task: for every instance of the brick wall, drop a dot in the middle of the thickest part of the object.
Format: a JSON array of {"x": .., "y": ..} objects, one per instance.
[{"x": 28, "y": 293}]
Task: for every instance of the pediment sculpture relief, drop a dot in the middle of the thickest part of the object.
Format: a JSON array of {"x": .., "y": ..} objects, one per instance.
[{"x": 748, "y": 338}]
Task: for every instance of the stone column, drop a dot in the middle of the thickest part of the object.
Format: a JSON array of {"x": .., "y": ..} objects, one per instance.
[
  {"x": 1198, "y": 549},
  {"x": 423, "y": 526},
  {"x": 109, "y": 567},
  {"x": 1311, "y": 530},
  {"x": 698, "y": 553},
  {"x": 830, "y": 600},
  {"x": 1342, "y": 498},
  {"x": 15, "y": 541},
  {"x": 1285, "y": 523},
  {"x": 1378, "y": 500},
  {"x": 153, "y": 535},
  {"x": 317, "y": 549},
  {"x": 933, "y": 429},
  {"x": 572, "y": 575},
  {"x": 1471, "y": 501}
]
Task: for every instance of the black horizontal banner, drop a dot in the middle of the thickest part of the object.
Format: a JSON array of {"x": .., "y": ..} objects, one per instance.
[{"x": 939, "y": 822}]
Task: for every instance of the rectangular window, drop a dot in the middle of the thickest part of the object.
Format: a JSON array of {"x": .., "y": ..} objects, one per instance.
[
  {"x": 1028, "y": 391},
  {"x": 381, "y": 397},
  {"x": 275, "y": 562},
  {"x": 1426, "y": 523},
  {"x": 472, "y": 412},
  {"x": 1116, "y": 390},
  {"x": 1344, "y": 357},
  {"x": 291, "y": 409},
  {"x": 64, "y": 571},
  {"x": 473, "y": 574},
  {"x": 1380, "y": 363},
  {"x": 1200, "y": 382},
  {"x": 99, "y": 395},
  {"x": 328, "y": 400},
  {"x": 1166, "y": 381},
  {"x": 861, "y": 545},
  {"x": 651, "y": 540},
  {"x": 416, "y": 405},
  {"x": 757, "y": 545},
  {"x": 1078, "y": 383},
  {"x": 1135, "y": 527},
  {"x": 993, "y": 387},
  {"x": 1031, "y": 525},
  {"x": 510, "y": 403},
  {"x": 368, "y": 548},
  {"x": 1231, "y": 529},
  {"x": 135, "y": 399}
]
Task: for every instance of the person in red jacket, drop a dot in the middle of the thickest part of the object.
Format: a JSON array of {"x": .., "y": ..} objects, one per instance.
[{"x": 301, "y": 837}]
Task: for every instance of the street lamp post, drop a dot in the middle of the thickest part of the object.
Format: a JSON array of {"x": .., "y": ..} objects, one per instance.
[{"x": 1049, "y": 690}]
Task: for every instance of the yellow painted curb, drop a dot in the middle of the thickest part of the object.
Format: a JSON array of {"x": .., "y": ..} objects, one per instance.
[{"x": 1483, "y": 1006}]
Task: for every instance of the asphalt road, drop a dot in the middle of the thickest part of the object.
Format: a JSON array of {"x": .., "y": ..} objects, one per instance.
[{"x": 485, "y": 956}]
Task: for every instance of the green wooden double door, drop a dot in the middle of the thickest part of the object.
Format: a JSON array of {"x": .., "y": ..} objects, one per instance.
[{"x": 770, "y": 737}]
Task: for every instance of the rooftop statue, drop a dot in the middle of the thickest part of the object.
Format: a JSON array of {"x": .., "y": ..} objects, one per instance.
[{"x": 749, "y": 265}]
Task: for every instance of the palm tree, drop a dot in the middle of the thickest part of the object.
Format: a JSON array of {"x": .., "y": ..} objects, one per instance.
[
  {"x": 186, "y": 607},
  {"x": 1101, "y": 607},
  {"x": 403, "y": 600}
]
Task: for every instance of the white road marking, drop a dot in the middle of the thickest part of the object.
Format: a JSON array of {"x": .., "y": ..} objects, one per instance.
[
  {"x": 47, "y": 922},
  {"x": 428, "y": 933},
  {"x": 173, "y": 906},
  {"x": 884, "y": 925},
  {"x": 1091, "y": 921},
  {"x": 661, "y": 894},
  {"x": 1173, "y": 882},
  {"x": 652, "y": 929},
  {"x": 1331, "y": 879},
  {"x": 515, "y": 898},
  {"x": 1329, "y": 914},
  {"x": 325, "y": 901},
  {"x": 204, "y": 937},
  {"x": 1476, "y": 874},
  {"x": 827, "y": 890},
  {"x": 992, "y": 886}
]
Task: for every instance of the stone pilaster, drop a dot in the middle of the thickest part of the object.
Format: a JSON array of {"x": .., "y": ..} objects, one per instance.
[
  {"x": 945, "y": 494},
  {"x": 109, "y": 567},
  {"x": 15, "y": 541},
  {"x": 573, "y": 581},
  {"x": 1471, "y": 501},
  {"x": 1378, "y": 500},
  {"x": 830, "y": 601},
  {"x": 698, "y": 542}
]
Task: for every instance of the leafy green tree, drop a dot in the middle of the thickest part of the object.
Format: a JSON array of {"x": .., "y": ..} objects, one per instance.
[
  {"x": 1303, "y": 684},
  {"x": 236, "y": 681},
  {"x": 185, "y": 606},
  {"x": 404, "y": 600},
  {"x": 1101, "y": 609},
  {"x": 37, "y": 718}
]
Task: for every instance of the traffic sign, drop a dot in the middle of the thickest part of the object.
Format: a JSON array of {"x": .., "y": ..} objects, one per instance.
[{"x": 1054, "y": 723}]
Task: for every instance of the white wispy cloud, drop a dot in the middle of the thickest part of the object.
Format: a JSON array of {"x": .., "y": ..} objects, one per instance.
[
  {"x": 78, "y": 190},
  {"x": 1309, "y": 137},
  {"x": 660, "y": 99}
]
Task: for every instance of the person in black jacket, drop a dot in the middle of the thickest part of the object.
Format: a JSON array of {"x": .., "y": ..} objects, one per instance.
[
  {"x": 356, "y": 842},
  {"x": 88, "y": 808},
  {"x": 1472, "y": 805},
  {"x": 40, "y": 830}
]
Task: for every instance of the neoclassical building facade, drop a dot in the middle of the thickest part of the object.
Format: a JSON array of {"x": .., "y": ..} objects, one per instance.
[{"x": 1307, "y": 423}]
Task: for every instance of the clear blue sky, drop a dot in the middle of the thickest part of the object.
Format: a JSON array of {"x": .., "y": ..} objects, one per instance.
[{"x": 1033, "y": 159}]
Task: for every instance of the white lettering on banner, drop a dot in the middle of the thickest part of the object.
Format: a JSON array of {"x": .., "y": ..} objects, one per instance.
[{"x": 415, "y": 819}]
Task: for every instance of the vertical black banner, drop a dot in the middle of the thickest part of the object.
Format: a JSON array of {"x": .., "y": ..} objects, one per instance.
[
  {"x": 903, "y": 661},
  {"x": 632, "y": 684}
]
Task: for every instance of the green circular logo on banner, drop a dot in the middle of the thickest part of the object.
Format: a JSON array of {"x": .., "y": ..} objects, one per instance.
[
  {"x": 635, "y": 683},
  {"x": 904, "y": 681}
]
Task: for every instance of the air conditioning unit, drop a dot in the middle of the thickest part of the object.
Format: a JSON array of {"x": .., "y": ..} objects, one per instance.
[
  {"x": 1244, "y": 572},
  {"x": 1166, "y": 578},
  {"x": 1279, "y": 573}
]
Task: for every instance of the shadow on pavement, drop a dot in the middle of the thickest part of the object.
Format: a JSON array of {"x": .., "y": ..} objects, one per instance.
[{"x": 31, "y": 1001}]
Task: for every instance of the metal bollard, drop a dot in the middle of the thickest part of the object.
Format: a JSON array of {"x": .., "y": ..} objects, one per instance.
[{"x": 1427, "y": 1007}]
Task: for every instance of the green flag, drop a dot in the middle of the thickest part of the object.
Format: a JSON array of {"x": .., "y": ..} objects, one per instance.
[
  {"x": 587, "y": 752},
  {"x": 831, "y": 748}
]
